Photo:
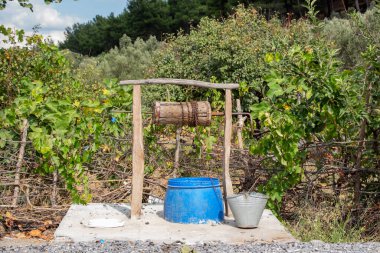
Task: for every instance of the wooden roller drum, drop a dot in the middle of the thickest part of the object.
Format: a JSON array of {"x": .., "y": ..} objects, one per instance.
[{"x": 196, "y": 113}]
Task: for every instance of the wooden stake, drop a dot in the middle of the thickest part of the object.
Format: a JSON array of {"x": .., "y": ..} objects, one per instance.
[
  {"x": 137, "y": 155},
  {"x": 54, "y": 192},
  {"x": 227, "y": 183},
  {"x": 177, "y": 150},
  {"x": 240, "y": 124},
  {"x": 20, "y": 159}
]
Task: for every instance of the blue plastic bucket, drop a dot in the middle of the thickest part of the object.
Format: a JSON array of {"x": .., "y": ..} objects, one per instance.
[{"x": 196, "y": 200}]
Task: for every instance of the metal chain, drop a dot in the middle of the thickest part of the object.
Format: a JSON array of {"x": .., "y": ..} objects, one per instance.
[
  {"x": 183, "y": 115},
  {"x": 188, "y": 113},
  {"x": 194, "y": 108}
]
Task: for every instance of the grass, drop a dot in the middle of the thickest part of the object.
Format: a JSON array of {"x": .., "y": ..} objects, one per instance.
[{"x": 325, "y": 224}]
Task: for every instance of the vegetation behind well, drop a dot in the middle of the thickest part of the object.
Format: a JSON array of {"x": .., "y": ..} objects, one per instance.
[{"x": 311, "y": 142}]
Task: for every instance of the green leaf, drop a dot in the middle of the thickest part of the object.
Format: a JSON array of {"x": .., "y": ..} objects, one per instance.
[
  {"x": 56, "y": 161},
  {"x": 275, "y": 89},
  {"x": 52, "y": 106},
  {"x": 209, "y": 141},
  {"x": 276, "y": 196},
  {"x": 5, "y": 135},
  {"x": 257, "y": 110},
  {"x": 278, "y": 132},
  {"x": 91, "y": 103},
  {"x": 269, "y": 57},
  {"x": 36, "y": 129}
]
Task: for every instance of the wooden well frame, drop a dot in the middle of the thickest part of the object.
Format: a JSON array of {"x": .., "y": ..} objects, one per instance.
[{"x": 138, "y": 145}]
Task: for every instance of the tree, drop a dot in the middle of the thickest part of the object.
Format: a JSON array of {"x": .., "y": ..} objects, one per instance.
[
  {"x": 25, "y": 3},
  {"x": 94, "y": 37},
  {"x": 145, "y": 18},
  {"x": 186, "y": 13},
  {"x": 148, "y": 18},
  {"x": 142, "y": 19}
]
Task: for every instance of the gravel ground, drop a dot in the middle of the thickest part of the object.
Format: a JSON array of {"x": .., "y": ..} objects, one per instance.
[{"x": 118, "y": 246}]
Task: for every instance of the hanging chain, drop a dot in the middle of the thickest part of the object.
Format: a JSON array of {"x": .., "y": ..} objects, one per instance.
[
  {"x": 183, "y": 114},
  {"x": 194, "y": 109}
]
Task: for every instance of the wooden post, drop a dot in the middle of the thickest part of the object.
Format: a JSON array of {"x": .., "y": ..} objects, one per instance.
[
  {"x": 240, "y": 124},
  {"x": 177, "y": 150},
  {"x": 24, "y": 133},
  {"x": 137, "y": 155},
  {"x": 54, "y": 192},
  {"x": 227, "y": 183}
]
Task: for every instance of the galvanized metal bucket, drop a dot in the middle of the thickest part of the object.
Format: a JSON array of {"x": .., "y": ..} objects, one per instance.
[{"x": 247, "y": 208}]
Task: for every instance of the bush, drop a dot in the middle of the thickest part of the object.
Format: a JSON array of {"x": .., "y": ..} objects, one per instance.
[
  {"x": 292, "y": 79},
  {"x": 66, "y": 117},
  {"x": 129, "y": 60},
  {"x": 353, "y": 34},
  {"x": 282, "y": 72},
  {"x": 230, "y": 51}
]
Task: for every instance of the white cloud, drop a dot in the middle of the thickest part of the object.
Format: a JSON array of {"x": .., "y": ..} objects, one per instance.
[{"x": 52, "y": 23}]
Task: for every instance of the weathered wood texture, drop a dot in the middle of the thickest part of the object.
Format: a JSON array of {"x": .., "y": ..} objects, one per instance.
[
  {"x": 55, "y": 190},
  {"x": 20, "y": 159},
  {"x": 227, "y": 183},
  {"x": 137, "y": 155},
  {"x": 197, "y": 113},
  {"x": 240, "y": 124},
  {"x": 183, "y": 82},
  {"x": 177, "y": 150}
]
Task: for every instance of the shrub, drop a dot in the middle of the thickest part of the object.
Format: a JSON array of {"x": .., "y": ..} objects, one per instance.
[
  {"x": 353, "y": 34},
  {"x": 282, "y": 72},
  {"x": 129, "y": 60},
  {"x": 230, "y": 51},
  {"x": 66, "y": 118}
]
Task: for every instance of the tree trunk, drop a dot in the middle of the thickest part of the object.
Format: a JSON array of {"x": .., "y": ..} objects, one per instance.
[
  {"x": 367, "y": 4},
  {"x": 357, "y": 6},
  {"x": 344, "y": 6},
  {"x": 375, "y": 145},
  {"x": 376, "y": 150},
  {"x": 362, "y": 134}
]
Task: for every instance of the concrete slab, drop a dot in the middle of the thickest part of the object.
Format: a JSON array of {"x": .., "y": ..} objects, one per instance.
[{"x": 153, "y": 227}]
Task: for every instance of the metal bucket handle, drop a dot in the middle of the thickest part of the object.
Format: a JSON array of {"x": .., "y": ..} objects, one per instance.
[{"x": 252, "y": 187}]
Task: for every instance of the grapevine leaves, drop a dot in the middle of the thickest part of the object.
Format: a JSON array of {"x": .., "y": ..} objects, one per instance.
[
  {"x": 298, "y": 94},
  {"x": 66, "y": 119}
]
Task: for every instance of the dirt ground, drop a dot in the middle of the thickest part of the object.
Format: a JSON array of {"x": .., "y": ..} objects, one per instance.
[
  {"x": 8, "y": 241},
  {"x": 23, "y": 226}
]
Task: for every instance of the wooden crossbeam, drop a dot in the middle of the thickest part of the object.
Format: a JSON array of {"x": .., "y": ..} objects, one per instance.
[{"x": 182, "y": 82}]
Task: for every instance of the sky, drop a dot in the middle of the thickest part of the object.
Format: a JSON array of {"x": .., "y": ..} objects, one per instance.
[{"x": 54, "y": 18}]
